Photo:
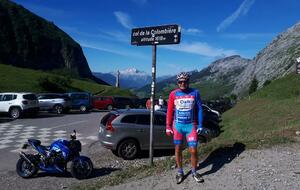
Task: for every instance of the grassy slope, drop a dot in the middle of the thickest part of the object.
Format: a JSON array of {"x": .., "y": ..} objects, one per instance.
[
  {"x": 270, "y": 116},
  {"x": 19, "y": 80}
]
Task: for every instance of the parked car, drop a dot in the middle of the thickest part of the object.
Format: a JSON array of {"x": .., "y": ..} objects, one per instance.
[
  {"x": 57, "y": 103},
  {"x": 123, "y": 102},
  {"x": 208, "y": 109},
  {"x": 139, "y": 102},
  {"x": 103, "y": 102},
  {"x": 16, "y": 104},
  {"x": 126, "y": 132},
  {"x": 80, "y": 101}
]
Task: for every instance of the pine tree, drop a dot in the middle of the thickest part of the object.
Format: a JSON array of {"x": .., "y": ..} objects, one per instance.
[{"x": 253, "y": 86}]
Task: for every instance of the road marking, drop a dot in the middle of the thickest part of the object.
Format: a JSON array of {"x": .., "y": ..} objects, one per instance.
[
  {"x": 74, "y": 123},
  {"x": 2, "y": 146},
  {"x": 92, "y": 137}
]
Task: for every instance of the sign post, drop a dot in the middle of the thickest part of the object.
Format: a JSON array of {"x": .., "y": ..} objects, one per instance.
[{"x": 155, "y": 35}]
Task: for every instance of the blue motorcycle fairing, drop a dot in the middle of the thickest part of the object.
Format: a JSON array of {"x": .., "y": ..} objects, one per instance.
[
  {"x": 61, "y": 146},
  {"x": 50, "y": 169}
]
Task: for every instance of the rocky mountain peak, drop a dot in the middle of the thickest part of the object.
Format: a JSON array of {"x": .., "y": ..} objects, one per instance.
[{"x": 274, "y": 61}]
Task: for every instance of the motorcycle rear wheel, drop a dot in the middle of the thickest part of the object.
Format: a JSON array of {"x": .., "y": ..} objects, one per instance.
[
  {"x": 81, "y": 169},
  {"x": 25, "y": 169}
]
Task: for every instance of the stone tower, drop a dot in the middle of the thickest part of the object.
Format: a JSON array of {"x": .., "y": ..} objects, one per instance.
[{"x": 118, "y": 79}]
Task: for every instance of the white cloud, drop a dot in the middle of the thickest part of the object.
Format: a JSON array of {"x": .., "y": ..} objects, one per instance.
[
  {"x": 113, "y": 50},
  {"x": 245, "y": 36},
  {"x": 202, "y": 49},
  {"x": 242, "y": 10},
  {"x": 124, "y": 19},
  {"x": 102, "y": 34},
  {"x": 192, "y": 31},
  {"x": 116, "y": 36}
]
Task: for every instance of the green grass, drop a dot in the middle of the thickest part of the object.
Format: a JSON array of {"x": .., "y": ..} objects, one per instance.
[
  {"x": 14, "y": 79},
  {"x": 269, "y": 116},
  {"x": 212, "y": 90}
]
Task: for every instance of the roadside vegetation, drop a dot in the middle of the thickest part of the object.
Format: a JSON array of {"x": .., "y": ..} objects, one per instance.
[
  {"x": 15, "y": 79},
  {"x": 267, "y": 117}
]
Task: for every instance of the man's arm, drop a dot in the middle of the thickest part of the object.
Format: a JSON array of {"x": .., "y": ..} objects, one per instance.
[
  {"x": 170, "y": 112},
  {"x": 199, "y": 108}
]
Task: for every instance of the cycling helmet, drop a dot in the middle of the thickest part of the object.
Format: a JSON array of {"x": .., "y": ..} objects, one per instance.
[{"x": 183, "y": 76}]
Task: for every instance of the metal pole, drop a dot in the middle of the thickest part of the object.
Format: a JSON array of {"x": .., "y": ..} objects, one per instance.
[{"x": 152, "y": 103}]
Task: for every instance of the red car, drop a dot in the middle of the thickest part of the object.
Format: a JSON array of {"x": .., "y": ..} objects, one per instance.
[{"x": 103, "y": 102}]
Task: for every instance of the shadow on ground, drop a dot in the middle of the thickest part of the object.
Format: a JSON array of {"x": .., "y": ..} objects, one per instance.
[
  {"x": 221, "y": 156},
  {"x": 5, "y": 120},
  {"x": 97, "y": 172},
  {"x": 157, "y": 153}
]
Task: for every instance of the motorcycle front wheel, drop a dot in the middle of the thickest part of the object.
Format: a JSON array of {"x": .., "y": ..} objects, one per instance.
[
  {"x": 81, "y": 168},
  {"x": 25, "y": 169}
]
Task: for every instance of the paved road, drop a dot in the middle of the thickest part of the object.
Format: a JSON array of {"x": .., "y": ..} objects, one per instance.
[{"x": 45, "y": 127}]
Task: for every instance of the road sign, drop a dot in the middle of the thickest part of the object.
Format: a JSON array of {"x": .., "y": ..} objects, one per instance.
[{"x": 156, "y": 35}]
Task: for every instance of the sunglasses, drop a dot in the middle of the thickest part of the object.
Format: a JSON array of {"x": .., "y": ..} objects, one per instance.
[{"x": 182, "y": 82}]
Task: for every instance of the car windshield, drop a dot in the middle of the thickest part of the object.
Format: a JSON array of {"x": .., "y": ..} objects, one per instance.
[{"x": 30, "y": 97}]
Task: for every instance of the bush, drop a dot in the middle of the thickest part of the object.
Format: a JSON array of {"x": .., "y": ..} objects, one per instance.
[{"x": 55, "y": 83}]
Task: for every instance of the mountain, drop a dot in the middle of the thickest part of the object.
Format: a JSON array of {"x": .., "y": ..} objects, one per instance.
[
  {"x": 29, "y": 41},
  {"x": 223, "y": 70},
  {"x": 234, "y": 74},
  {"x": 216, "y": 80},
  {"x": 129, "y": 78},
  {"x": 109, "y": 78},
  {"x": 274, "y": 61}
]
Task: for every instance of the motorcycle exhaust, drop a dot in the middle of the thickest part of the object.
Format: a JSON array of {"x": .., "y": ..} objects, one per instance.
[{"x": 24, "y": 156}]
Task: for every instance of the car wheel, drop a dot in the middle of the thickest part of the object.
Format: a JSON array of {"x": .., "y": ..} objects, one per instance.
[
  {"x": 15, "y": 113},
  {"x": 109, "y": 107},
  {"x": 58, "y": 109},
  {"x": 83, "y": 108},
  {"x": 115, "y": 153},
  {"x": 128, "y": 149}
]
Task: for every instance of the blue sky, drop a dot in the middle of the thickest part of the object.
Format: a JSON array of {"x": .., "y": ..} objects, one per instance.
[{"x": 211, "y": 29}]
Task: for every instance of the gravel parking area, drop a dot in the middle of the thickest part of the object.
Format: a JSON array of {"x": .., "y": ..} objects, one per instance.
[
  {"x": 226, "y": 169},
  {"x": 266, "y": 169}
]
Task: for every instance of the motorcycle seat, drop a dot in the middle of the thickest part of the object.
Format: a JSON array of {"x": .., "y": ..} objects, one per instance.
[{"x": 35, "y": 142}]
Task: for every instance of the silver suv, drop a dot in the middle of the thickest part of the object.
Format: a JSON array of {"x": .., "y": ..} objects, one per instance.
[
  {"x": 57, "y": 103},
  {"x": 15, "y": 104},
  {"x": 126, "y": 132}
]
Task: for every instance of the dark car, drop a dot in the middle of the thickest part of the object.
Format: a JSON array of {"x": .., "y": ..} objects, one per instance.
[
  {"x": 123, "y": 102},
  {"x": 57, "y": 103},
  {"x": 80, "y": 101},
  {"x": 139, "y": 102}
]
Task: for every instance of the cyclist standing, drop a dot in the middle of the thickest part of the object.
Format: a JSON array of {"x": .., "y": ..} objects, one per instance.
[{"x": 184, "y": 118}]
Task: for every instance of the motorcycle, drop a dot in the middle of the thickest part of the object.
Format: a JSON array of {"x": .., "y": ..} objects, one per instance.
[{"x": 54, "y": 158}]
